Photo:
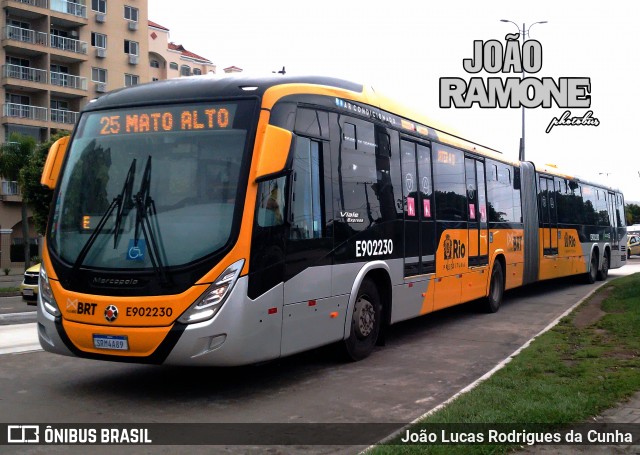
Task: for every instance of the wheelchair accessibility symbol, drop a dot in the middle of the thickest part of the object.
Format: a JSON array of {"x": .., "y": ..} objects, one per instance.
[{"x": 136, "y": 251}]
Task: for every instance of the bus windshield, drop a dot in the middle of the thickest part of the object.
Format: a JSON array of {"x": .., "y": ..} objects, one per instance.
[{"x": 148, "y": 187}]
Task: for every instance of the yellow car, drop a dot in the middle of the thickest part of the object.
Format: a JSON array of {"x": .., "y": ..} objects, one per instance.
[
  {"x": 633, "y": 245},
  {"x": 29, "y": 285}
]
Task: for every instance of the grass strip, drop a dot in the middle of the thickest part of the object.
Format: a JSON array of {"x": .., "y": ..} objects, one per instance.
[
  {"x": 9, "y": 290},
  {"x": 576, "y": 370}
]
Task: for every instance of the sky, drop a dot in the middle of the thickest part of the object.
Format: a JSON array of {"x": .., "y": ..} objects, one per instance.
[{"x": 403, "y": 48}]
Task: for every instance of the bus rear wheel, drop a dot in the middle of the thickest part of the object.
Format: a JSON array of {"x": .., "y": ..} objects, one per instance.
[
  {"x": 592, "y": 274},
  {"x": 496, "y": 289},
  {"x": 603, "y": 273},
  {"x": 365, "y": 323}
]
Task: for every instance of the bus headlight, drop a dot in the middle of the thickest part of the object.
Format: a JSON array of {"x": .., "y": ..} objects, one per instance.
[
  {"x": 212, "y": 299},
  {"x": 46, "y": 294}
]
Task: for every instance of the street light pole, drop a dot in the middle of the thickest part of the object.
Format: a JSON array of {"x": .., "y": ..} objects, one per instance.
[{"x": 524, "y": 32}]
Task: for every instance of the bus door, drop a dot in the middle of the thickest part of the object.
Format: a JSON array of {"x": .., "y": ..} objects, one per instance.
[
  {"x": 419, "y": 225},
  {"x": 478, "y": 252},
  {"x": 548, "y": 217},
  {"x": 474, "y": 282},
  {"x": 452, "y": 234},
  {"x": 307, "y": 288}
]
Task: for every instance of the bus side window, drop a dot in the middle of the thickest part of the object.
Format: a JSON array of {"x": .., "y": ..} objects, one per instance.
[
  {"x": 589, "y": 205},
  {"x": 504, "y": 200},
  {"x": 602, "y": 208},
  {"x": 307, "y": 187},
  {"x": 620, "y": 211},
  {"x": 312, "y": 123},
  {"x": 362, "y": 168},
  {"x": 450, "y": 186},
  {"x": 271, "y": 202},
  {"x": 562, "y": 200}
]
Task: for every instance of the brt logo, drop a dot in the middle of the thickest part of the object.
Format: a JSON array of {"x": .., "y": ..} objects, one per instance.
[
  {"x": 75, "y": 307},
  {"x": 514, "y": 242},
  {"x": 453, "y": 249}
]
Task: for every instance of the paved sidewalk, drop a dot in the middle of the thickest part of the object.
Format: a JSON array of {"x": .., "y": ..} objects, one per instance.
[
  {"x": 10, "y": 281},
  {"x": 626, "y": 412}
]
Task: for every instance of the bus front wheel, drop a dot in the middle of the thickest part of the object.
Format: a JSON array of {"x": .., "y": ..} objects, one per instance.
[
  {"x": 365, "y": 322},
  {"x": 496, "y": 289}
]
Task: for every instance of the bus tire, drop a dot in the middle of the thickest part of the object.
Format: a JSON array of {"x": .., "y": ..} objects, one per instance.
[
  {"x": 496, "y": 289},
  {"x": 591, "y": 276},
  {"x": 366, "y": 321},
  {"x": 603, "y": 273}
]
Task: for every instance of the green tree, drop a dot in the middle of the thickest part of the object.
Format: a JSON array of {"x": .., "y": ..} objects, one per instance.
[
  {"x": 15, "y": 155},
  {"x": 37, "y": 195},
  {"x": 632, "y": 213}
]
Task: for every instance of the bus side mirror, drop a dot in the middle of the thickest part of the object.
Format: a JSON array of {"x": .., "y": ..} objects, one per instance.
[
  {"x": 274, "y": 151},
  {"x": 52, "y": 166}
]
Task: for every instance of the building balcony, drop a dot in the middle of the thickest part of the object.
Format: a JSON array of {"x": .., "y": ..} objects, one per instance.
[
  {"x": 64, "y": 116},
  {"x": 68, "y": 45},
  {"x": 31, "y": 40},
  {"x": 24, "y": 112},
  {"x": 25, "y": 77},
  {"x": 33, "y": 79},
  {"x": 25, "y": 35},
  {"x": 38, "y": 3},
  {"x": 39, "y": 7},
  {"x": 68, "y": 81},
  {"x": 67, "y": 12},
  {"x": 68, "y": 7}
]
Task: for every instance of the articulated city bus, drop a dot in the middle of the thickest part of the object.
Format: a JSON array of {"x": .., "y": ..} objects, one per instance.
[{"x": 227, "y": 221}]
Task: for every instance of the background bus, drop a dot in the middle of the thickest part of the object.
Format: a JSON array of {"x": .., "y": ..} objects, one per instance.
[{"x": 229, "y": 221}]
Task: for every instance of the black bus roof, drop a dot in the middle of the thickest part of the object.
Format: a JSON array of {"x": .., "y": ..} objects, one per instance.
[{"x": 195, "y": 88}]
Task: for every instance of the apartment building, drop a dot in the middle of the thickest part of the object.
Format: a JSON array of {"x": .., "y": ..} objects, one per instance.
[
  {"x": 168, "y": 60},
  {"x": 57, "y": 55}
]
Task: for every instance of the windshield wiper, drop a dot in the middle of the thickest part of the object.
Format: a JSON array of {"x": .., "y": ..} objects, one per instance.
[
  {"x": 125, "y": 201},
  {"x": 120, "y": 202},
  {"x": 146, "y": 207}
]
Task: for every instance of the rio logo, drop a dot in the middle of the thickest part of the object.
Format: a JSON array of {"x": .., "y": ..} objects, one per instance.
[
  {"x": 454, "y": 249},
  {"x": 569, "y": 241}
]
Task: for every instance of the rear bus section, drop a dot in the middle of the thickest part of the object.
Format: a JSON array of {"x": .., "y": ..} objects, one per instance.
[{"x": 582, "y": 228}]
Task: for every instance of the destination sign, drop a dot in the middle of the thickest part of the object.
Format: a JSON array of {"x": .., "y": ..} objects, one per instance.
[
  {"x": 166, "y": 119},
  {"x": 446, "y": 157}
]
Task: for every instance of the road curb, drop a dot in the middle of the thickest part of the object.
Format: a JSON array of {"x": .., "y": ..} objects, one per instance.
[
  {"x": 18, "y": 318},
  {"x": 10, "y": 294}
]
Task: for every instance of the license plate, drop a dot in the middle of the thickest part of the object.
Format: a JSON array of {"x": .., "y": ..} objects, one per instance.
[
  {"x": 113, "y": 342},
  {"x": 28, "y": 292}
]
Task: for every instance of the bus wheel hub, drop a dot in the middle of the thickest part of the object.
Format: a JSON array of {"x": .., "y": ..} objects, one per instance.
[{"x": 365, "y": 317}]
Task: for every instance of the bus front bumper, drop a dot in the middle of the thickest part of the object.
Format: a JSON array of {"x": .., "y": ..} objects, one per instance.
[{"x": 243, "y": 331}]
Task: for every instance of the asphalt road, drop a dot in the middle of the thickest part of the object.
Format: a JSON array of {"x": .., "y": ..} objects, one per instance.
[
  {"x": 15, "y": 304},
  {"x": 425, "y": 361}
]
